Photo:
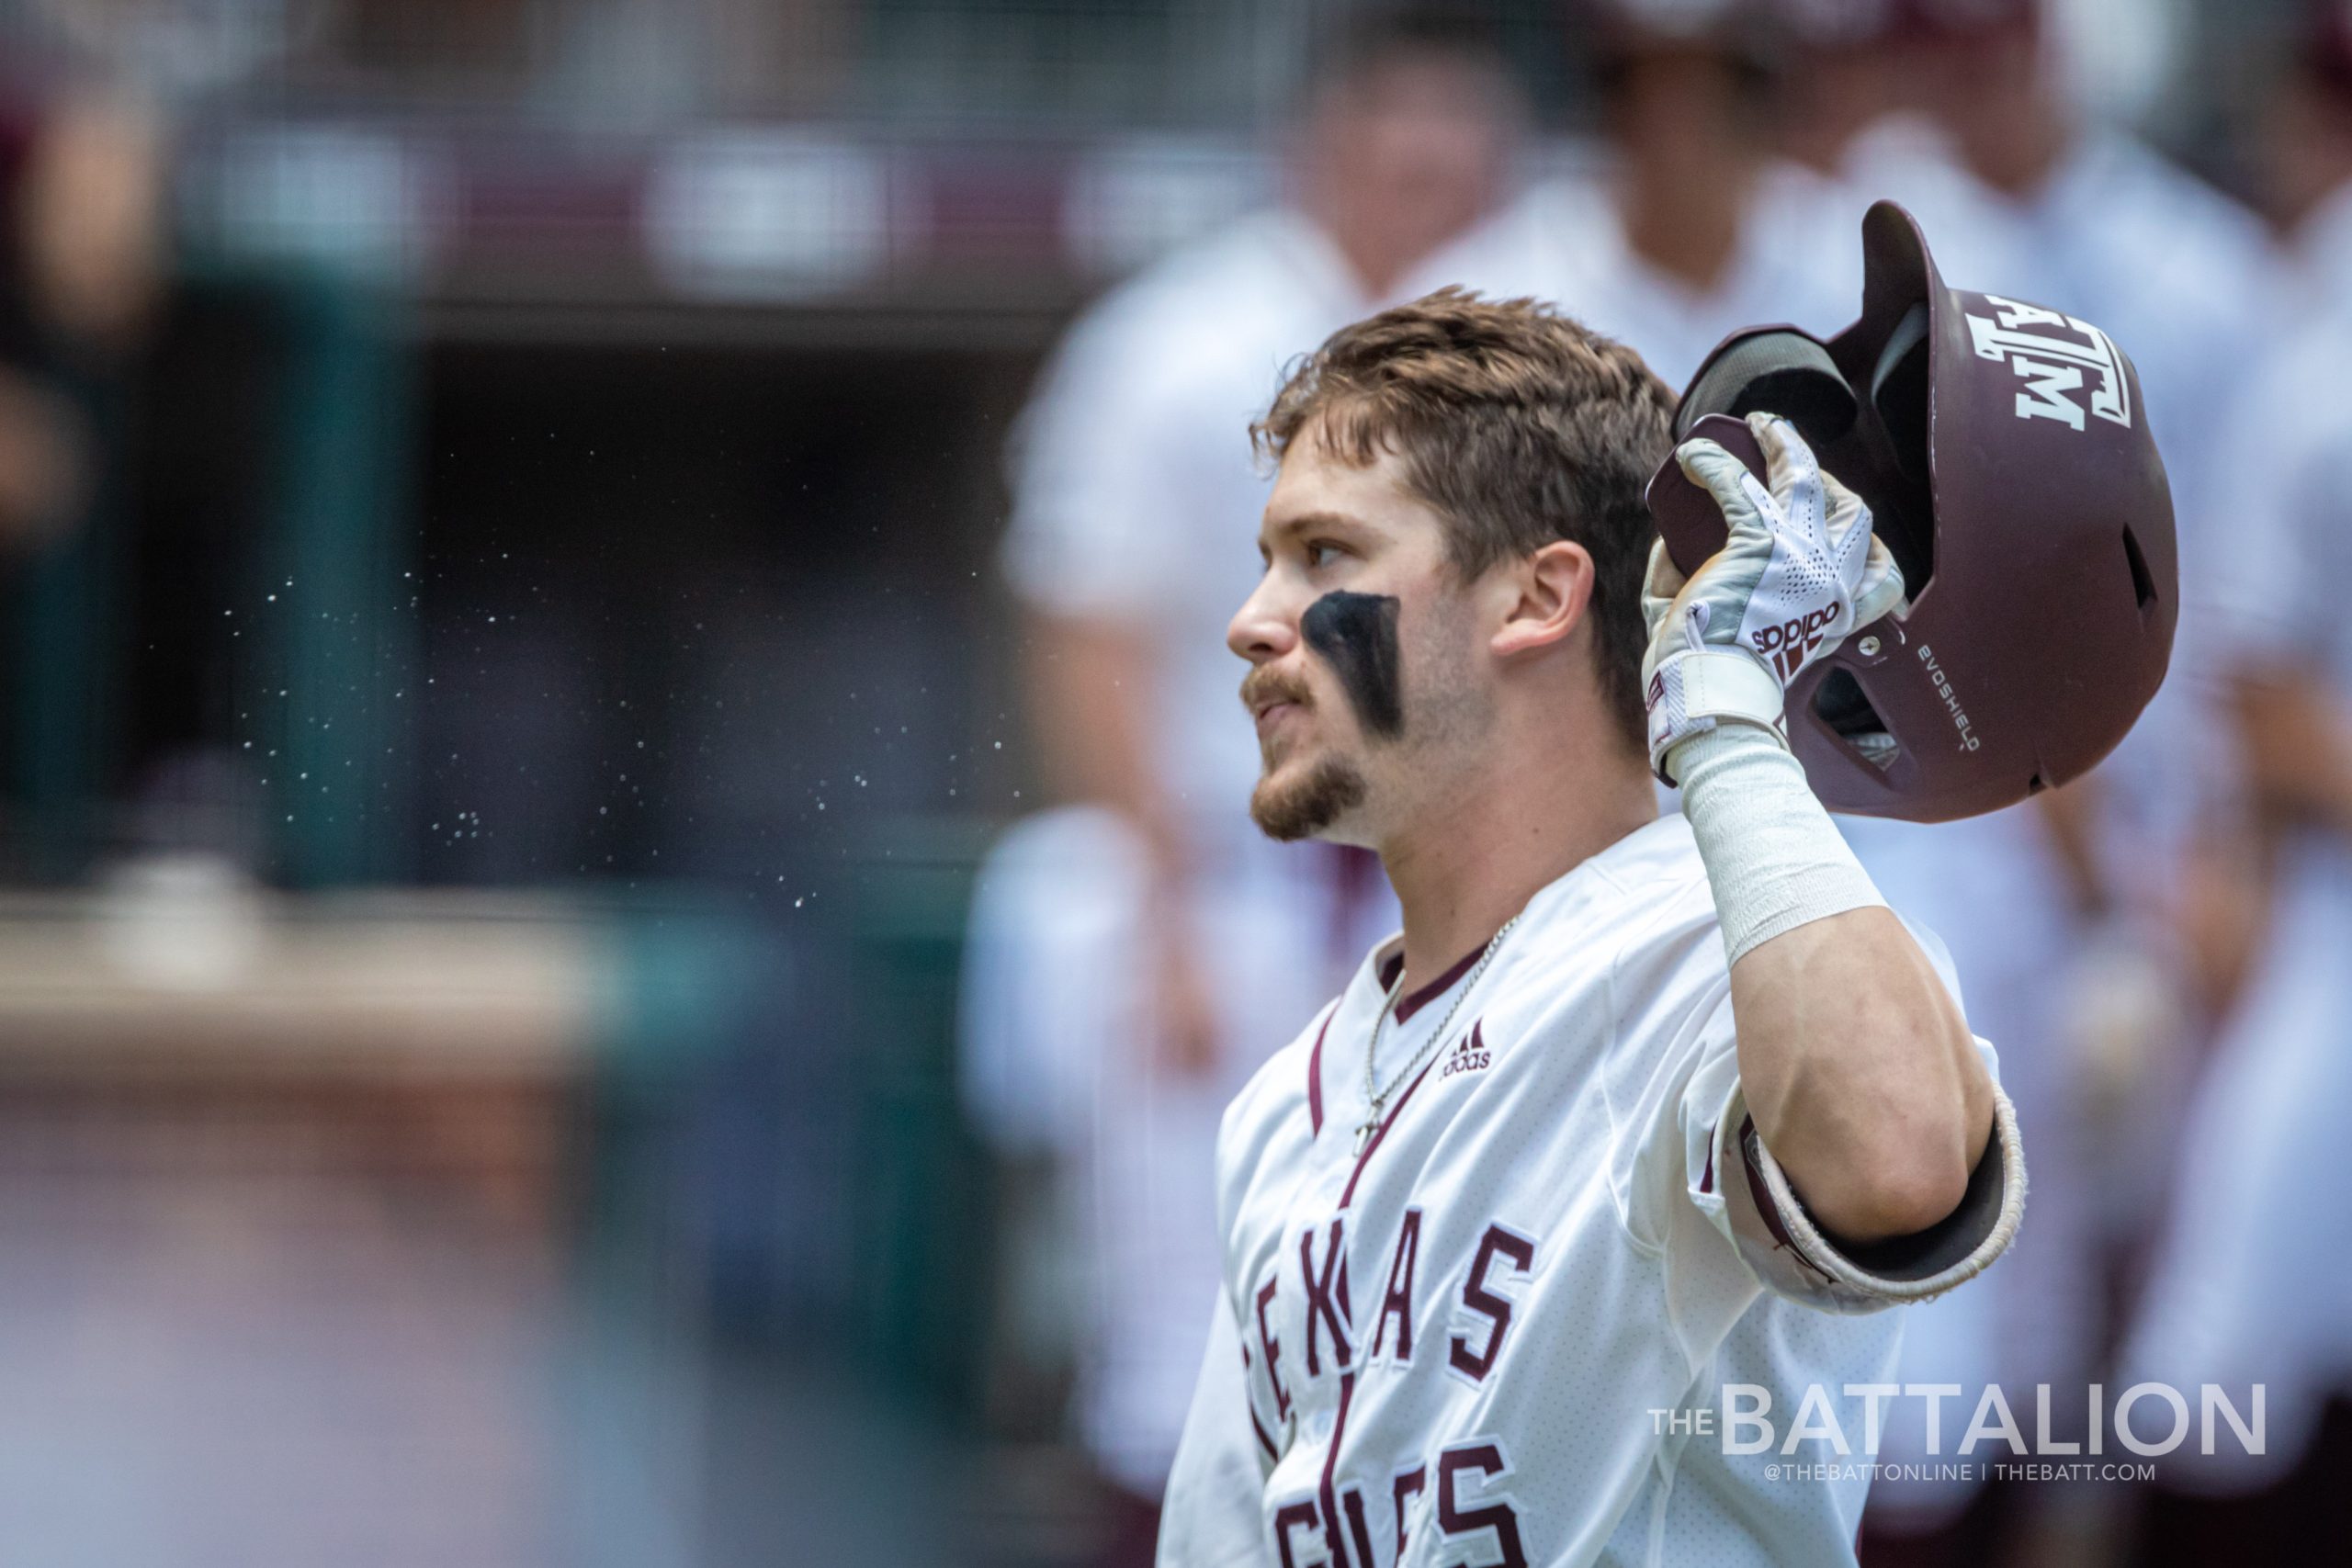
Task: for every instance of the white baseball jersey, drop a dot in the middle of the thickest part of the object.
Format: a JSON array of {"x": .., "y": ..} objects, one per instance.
[{"x": 1461, "y": 1342}]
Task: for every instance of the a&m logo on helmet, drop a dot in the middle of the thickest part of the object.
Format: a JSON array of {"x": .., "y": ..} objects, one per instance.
[{"x": 2057, "y": 371}]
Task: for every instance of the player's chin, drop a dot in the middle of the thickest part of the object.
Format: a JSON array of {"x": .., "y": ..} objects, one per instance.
[{"x": 1306, "y": 797}]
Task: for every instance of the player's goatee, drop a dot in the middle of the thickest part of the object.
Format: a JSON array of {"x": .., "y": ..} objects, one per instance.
[{"x": 1287, "y": 812}]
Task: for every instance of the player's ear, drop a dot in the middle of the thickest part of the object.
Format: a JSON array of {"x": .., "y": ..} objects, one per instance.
[{"x": 1546, "y": 592}]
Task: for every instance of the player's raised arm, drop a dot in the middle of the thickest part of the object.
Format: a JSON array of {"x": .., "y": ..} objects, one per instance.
[{"x": 1865, "y": 1085}]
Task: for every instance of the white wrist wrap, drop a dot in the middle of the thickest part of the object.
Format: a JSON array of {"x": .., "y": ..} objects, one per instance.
[
  {"x": 1692, "y": 692},
  {"x": 1775, "y": 860}
]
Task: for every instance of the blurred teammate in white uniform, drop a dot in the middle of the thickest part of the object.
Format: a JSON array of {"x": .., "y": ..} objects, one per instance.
[
  {"x": 2064, "y": 916},
  {"x": 1634, "y": 1104},
  {"x": 1133, "y": 958},
  {"x": 1689, "y": 228},
  {"x": 2252, "y": 1280}
]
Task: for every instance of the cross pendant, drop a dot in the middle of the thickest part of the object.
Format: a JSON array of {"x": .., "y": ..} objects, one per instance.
[{"x": 1363, "y": 1134}]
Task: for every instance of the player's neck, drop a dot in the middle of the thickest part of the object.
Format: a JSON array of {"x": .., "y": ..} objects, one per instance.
[
  {"x": 1684, "y": 217},
  {"x": 1460, "y": 874},
  {"x": 2019, "y": 153},
  {"x": 1376, "y": 256}
]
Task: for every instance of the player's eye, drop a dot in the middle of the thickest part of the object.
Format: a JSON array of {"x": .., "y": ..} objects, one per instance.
[{"x": 1321, "y": 553}]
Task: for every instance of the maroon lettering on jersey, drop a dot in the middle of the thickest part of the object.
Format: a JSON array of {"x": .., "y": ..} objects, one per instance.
[
  {"x": 1408, "y": 1485},
  {"x": 1496, "y": 1310},
  {"x": 1322, "y": 1310},
  {"x": 1250, "y": 1398},
  {"x": 1358, "y": 1529},
  {"x": 1272, "y": 1350},
  {"x": 1398, "y": 1300},
  {"x": 1331, "y": 1465},
  {"x": 1483, "y": 1457},
  {"x": 1290, "y": 1516}
]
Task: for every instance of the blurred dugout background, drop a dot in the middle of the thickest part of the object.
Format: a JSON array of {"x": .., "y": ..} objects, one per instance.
[{"x": 506, "y": 683}]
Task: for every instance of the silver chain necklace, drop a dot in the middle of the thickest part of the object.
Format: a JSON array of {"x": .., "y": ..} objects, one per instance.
[{"x": 1376, "y": 1098}]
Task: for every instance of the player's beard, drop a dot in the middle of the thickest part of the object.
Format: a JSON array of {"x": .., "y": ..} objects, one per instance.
[
  {"x": 1289, "y": 811},
  {"x": 1297, "y": 802}
]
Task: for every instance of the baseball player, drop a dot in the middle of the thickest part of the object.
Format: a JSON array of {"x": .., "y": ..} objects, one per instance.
[{"x": 1639, "y": 1116}]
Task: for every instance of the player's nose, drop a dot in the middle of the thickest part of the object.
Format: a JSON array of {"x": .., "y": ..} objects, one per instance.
[{"x": 1266, "y": 627}]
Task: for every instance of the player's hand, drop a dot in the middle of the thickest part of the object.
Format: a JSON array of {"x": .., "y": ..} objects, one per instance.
[{"x": 1798, "y": 571}]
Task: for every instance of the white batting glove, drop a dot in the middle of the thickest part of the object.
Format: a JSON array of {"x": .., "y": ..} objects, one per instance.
[{"x": 1799, "y": 570}]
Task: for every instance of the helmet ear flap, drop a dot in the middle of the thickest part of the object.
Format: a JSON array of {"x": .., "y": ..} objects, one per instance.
[{"x": 1777, "y": 371}]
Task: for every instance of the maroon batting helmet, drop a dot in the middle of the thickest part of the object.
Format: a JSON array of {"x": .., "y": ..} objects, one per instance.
[{"x": 2005, "y": 459}]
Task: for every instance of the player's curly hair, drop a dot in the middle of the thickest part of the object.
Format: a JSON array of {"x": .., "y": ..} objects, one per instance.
[{"x": 1518, "y": 426}]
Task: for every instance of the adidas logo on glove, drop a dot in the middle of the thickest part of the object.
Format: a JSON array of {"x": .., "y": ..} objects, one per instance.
[{"x": 1787, "y": 644}]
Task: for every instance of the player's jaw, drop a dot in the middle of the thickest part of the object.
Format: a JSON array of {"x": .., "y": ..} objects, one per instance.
[{"x": 1307, "y": 798}]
